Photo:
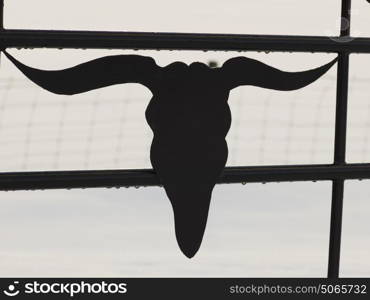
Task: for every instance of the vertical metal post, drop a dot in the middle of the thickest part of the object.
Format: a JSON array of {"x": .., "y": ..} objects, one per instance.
[
  {"x": 339, "y": 146},
  {"x": 1, "y": 20},
  {"x": 1, "y": 17},
  {"x": 1, "y": 14}
]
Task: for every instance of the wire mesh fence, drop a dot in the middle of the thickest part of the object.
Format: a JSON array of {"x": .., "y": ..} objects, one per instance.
[{"x": 106, "y": 129}]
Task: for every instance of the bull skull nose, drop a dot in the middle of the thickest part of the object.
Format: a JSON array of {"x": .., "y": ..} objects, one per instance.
[
  {"x": 190, "y": 206},
  {"x": 189, "y": 252},
  {"x": 190, "y": 226}
]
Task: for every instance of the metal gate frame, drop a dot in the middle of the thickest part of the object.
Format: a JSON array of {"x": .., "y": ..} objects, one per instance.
[{"x": 337, "y": 172}]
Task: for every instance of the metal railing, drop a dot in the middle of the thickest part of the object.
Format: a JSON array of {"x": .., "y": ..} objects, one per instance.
[{"x": 337, "y": 172}]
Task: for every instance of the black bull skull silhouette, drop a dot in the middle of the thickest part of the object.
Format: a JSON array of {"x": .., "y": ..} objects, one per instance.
[{"x": 189, "y": 115}]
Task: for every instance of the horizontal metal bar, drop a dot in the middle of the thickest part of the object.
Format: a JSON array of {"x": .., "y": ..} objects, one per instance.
[
  {"x": 178, "y": 41},
  {"x": 147, "y": 177}
]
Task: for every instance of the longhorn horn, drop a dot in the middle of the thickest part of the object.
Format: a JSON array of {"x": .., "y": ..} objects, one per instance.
[
  {"x": 93, "y": 74},
  {"x": 246, "y": 71}
]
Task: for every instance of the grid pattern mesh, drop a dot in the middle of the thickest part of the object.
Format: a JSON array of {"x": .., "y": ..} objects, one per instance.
[
  {"x": 40, "y": 131},
  {"x": 106, "y": 129}
]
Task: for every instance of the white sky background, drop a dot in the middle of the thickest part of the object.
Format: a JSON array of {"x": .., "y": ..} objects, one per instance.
[{"x": 253, "y": 230}]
